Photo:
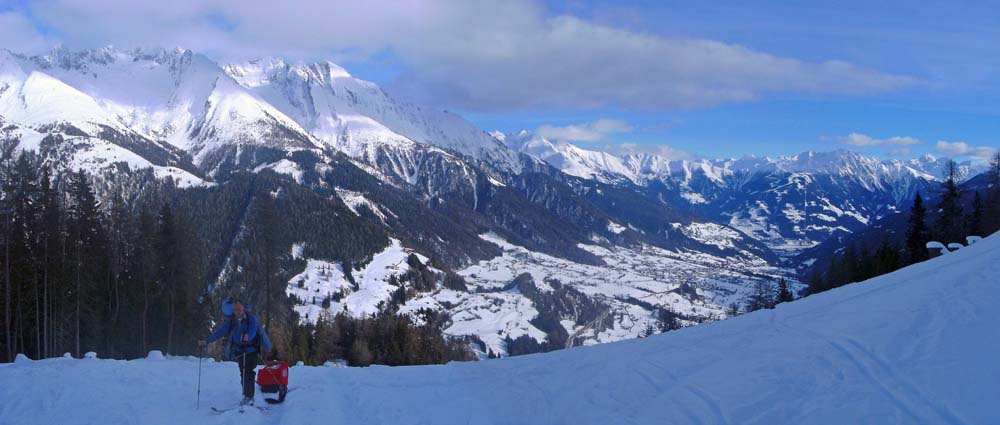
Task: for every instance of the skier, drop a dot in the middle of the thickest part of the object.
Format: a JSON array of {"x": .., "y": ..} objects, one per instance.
[{"x": 245, "y": 338}]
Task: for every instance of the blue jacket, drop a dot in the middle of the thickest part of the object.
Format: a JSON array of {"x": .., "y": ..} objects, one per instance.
[{"x": 236, "y": 328}]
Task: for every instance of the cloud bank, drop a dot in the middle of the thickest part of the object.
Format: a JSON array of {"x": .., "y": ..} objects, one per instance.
[
  {"x": 589, "y": 132},
  {"x": 864, "y": 140},
  {"x": 472, "y": 54},
  {"x": 661, "y": 150},
  {"x": 17, "y": 33},
  {"x": 964, "y": 149}
]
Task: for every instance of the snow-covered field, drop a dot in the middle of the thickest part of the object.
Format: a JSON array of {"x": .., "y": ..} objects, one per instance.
[
  {"x": 632, "y": 277},
  {"x": 323, "y": 279},
  {"x": 911, "y": 347},
  {"x": 647, "y": 274}
]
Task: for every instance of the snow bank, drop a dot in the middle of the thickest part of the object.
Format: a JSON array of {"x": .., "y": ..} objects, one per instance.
[
  {"x": 21, "y": 358},
  {"x": 914, "y": 346},
  {"x": 155, "y": 355}
]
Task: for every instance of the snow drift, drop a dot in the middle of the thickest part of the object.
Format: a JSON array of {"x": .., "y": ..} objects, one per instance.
[{"x": 915, "y": 346}]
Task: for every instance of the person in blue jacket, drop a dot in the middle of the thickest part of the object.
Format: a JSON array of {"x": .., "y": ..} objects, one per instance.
[{"x": 246, "y": 339}]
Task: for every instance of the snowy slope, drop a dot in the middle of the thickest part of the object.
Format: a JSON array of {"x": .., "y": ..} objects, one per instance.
[
  {"x": 170, "y": 96},
  {"x": 322, "y": 279},
  {"x": 911, "y": 347},
  {"x": 628, "y": 288},
  {"x": 68, "y": 150},
  {"x": 353, "y": 114}
]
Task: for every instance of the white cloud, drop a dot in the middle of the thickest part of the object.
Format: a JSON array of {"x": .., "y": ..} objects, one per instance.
[
  {"x": 664, "y": 151},
  {"x": 901, "y": 152},
  {"x": 476, "y": 54},
  {"x": 858, "y": 139},
  {"x": 594, "y": 135},
  {"x": 589, "y": 132},
  {"x": 295, "y": 28},
  {"x": 964, "y": 149},
  {"x": 18, "y": 34},
  {"x": 521, "y": 59}
]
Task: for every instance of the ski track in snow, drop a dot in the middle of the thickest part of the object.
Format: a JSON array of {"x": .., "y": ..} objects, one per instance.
[{"x": 915, "y": 346}]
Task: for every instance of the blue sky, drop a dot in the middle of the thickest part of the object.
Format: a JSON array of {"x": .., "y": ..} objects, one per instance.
[{"x": 712, "y": 78}]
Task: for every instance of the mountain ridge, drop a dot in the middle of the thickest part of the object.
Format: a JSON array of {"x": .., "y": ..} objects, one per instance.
[
  {"x": 693, "y": 235},
  {"x": 790, "y": 203}
]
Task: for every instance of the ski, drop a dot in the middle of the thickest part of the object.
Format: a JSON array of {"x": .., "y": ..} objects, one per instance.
[
  {"x": 224, "y": 410},
  {"x": 262, "y": 408},
  {"x": 228, "y": 409},
  {"x": 242, "y": 409}
]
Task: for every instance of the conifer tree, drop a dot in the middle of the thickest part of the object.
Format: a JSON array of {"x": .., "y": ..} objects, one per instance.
[
  {"x": 86, "y": 244},
  {"x": 23, "y": 253},
  {"x": 948, "y": 226},
  {"x": 976, "y": 217},
  {"x": 991, "y": 220},
  {"x": 264, "y": 275},
  {"x": 147, "y": 271},
  {"x": 886, "y": 259},
  {"x": 760, "y": 298},
  {"x": 817, "y": 283},
  {"x": 784, "y": 294},
  {"x": 6, "y": 208},
  {"x": 668, "y": 320},
  {"x": 648, "y": 331},
  {"x": 50, "y": 239},
  {"x": 849, "y": 269},
  {"x": 168, "y": 265},
  {"x": 916, "y": 233}
]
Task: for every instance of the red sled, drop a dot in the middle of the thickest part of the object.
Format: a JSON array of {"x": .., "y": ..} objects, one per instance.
[{"x": 274, "y": 379}]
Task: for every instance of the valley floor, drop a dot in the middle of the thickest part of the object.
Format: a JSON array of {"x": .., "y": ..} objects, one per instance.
[{"x": 915, "y": 346}]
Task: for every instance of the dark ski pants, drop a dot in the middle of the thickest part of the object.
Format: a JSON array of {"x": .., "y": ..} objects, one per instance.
[{"x": 248, "y": 362}]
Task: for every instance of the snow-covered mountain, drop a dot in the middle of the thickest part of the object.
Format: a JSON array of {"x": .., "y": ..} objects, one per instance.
[
  {"x": 43, "y": 113},
  {"x": 222, "y": 115},
  {"x": 687, "y": 236},
  {"x": 103, "y": 151},
  {"x": 357, "y": 117},
  {"x": 639, "y": 168},
  {"x": 912, "y": 346},
  {"x": 790, "y": 203},
  {"x": 428, "y": 180},
  {"x": 173, "y": 97}
]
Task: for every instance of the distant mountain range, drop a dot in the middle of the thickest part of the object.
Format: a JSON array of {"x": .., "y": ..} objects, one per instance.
[
  {"x": 624, "y": 235},
  {"x": 790, "y": 203}
]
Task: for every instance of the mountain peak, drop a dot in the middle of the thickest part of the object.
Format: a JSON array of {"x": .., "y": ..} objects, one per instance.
[
  {"x": 336, "y": 71},
  {"x": 71, "y": 59}
]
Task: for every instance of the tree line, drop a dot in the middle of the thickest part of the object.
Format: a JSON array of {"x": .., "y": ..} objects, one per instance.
[
  {"x": 386, "y": 338},
  {"x": 126, "y": 264},
  {"x": 955, "y": 215},
  {"x": 80, "y": 275}
]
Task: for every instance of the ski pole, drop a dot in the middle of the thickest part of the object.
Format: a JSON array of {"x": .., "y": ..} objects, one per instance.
[
  {"x": 243, "y": 374},
  {"x": 200, "y": 355}
]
